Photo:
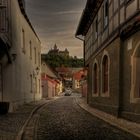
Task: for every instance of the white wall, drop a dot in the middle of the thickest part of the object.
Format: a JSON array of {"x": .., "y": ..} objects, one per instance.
[{"x": 17, "y": 81}]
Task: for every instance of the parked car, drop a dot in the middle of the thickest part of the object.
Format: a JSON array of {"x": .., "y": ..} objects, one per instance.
[{"x": 67, "y": 92}]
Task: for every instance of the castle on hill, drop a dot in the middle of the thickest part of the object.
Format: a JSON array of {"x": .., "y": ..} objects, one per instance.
[{"x": 56, "y": 51}]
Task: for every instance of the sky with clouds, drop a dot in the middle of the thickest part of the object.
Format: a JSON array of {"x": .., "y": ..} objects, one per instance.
[{"x": 56, "y": 21}]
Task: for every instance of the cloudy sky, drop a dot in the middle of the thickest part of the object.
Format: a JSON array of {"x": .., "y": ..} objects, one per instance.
[{"x": 56, "y": 21}]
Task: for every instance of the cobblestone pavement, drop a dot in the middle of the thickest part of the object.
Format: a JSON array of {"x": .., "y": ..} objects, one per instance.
[
  {"x": 64, "y": 119},
  {"x": 11, "y": 123}
]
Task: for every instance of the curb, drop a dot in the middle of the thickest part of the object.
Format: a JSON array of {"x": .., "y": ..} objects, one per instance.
[
  {"x": 104, "y": 118},
  {"x": 19, "y": 136},
  {"x": 20, "y": 133}
]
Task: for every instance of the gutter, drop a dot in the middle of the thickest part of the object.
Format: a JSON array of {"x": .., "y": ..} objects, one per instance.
[{"x": 79, "y": 38}]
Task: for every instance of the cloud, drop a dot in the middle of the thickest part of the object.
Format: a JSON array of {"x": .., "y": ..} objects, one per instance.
[
  {"x": 67, "y": 12},
  {"x": 56, "y": 22}
]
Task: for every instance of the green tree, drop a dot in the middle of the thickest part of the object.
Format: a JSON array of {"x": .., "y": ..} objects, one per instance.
[{"x": 58, "y": 60}]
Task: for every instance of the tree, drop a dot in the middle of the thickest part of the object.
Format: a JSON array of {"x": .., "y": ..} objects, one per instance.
[{"x": 58, "y": 60}]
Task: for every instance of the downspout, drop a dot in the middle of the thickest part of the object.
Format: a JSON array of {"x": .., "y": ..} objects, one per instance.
[
  {"x": 83, "y": 46},
  {"x": 88, "y": 78}
]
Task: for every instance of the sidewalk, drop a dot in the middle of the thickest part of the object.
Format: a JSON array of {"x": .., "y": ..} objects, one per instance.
[
  {"x": 12, "y": 123},
  {"x": 123, "y": 124}
]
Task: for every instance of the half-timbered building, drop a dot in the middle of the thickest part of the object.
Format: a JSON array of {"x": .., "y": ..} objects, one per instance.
[{"x": 110, "y": 30}]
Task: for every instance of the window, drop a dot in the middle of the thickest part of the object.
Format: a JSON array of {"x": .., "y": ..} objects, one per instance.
[
  {"x": 135, "y": 83},
  {"x": 96, "y": 28},
  {"x": 30, "y": 43},
  {"x": 39, "y": 85},
  {"x": 3, "y": 2},
  {"x": 95, "y": 79},
  {"x": 116, "y": 4},
  {"x": 31, "y": 84},
  {"x": 105, "y": 74},
  {"x": 39, "y": 59},
  {"x": 23, "y": 40},
  {"x": 3, "y": 16},
  {"x": 35, "y": 85},
  {"x": 35, "y": 54},
  {"x": 105, "y": 13}
]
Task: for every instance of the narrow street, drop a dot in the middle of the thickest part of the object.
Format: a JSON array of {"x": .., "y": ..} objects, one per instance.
[
  {"x": 63, "y": 118},
  {"x": 70, "y": 69}
]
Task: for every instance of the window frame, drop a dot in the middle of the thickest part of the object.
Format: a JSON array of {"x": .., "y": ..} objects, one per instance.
[
  {"x": 105, "y": 74},
  {"x": 95, "y": 94},
  {"x": 103, "y": 92},
  {"x": 134, "y": 98},
  {"x": 105, "y": 14},
  {"x": 30, "y": 45},
  {"x": 23, "y": 41}
]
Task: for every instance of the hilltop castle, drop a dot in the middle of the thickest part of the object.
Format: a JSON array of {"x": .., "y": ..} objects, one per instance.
[{"x": 56, "y": 51}]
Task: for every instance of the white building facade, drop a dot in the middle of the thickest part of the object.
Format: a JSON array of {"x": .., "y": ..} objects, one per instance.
[{"x": 20, "y": 59}]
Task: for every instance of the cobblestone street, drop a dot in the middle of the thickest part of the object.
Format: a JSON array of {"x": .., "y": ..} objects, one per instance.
[
  {"x": 64, "y": 119},
  {"x": 12, "y": 123}
]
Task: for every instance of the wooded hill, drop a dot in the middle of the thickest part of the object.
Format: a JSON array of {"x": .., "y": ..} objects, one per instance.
[{"x": 58, "y": 61}]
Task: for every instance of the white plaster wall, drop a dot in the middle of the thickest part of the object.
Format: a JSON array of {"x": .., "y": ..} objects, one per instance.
[{"x": 17, "y": 83}]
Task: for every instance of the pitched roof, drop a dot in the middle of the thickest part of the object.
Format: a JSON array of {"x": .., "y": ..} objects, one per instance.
[
  {"x": 88, "y": 15},
  {"x": 47, "y": 70},
  {"x": 22, "y": 8},
  {"x": 78, "y": 75},
  {"x": 63, "y": 69}
]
